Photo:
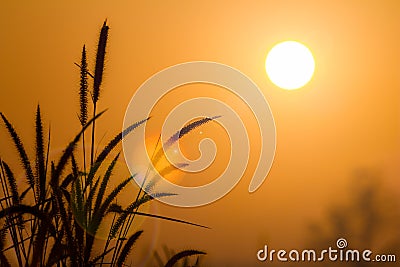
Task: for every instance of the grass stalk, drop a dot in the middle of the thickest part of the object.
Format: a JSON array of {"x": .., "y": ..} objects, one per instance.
[
  {"x": 83, "y": 116},
  {"x": 97, "y": 80}
]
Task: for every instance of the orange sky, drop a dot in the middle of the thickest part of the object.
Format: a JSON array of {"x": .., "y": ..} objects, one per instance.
[{"x": 346, "y": 118}]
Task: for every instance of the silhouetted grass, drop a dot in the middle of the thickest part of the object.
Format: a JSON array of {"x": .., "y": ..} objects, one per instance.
[{"x": 55, "y": 220}]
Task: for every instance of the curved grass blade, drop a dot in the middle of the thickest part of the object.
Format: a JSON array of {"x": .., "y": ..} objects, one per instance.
[
  {"x": 165, "y": 171},
  {"x": 109, "y": 147},
  {"x": 23, "y": 194},
  {"x": 68, "y": 180},
  {"x": 163, "y": 218},
  {"x": 101, "y": 212},
  {"x": 104, "y": 183},
  {"x": 181, "y": 255},
  {"x": 128, "y": 247},
  {"x": 179, "y": 134},
  {"x": 101, "y": 256},
  {"x": 134, "y": 205},
  {"x": 88, "y": 204}
]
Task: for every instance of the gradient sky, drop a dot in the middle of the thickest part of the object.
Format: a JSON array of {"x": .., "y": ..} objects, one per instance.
[{"x": 346, "y": 118}]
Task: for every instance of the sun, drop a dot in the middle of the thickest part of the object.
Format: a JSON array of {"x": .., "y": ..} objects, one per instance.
[{"x": 290, "y": 65}]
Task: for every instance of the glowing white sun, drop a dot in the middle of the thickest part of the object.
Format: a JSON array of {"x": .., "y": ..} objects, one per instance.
[{"x": 290, "y": 65}]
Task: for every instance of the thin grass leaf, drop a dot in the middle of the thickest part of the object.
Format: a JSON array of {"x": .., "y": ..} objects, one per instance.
[
  {"x": 185, "y": 130},
  {"x": 197, "y": 263},
  {"x": 66, "y": 194},
  {"x": 89, "y": 231},
  {"x": 102, "y": 211},
  {"x": 57, "y": 254},
  {"x": 99, "y": 257},
  {"x": 92, "y": 172},
  {"x": 181, "y": 255},
  {"x": 165, "y": 171},
  {"x": 179, "y": 134},
  {"x": 128, "y": 247},
  {"x": 68, "y": 180},
  {"x": 21, "y": 151},
  {"x": 5, "y": 198},
  {"x": 89, "y": 199},
  {"x": 23, "y": 194},
  {"x": 110, "y": 146},
  {"x": 88, "y": 72},
  {"x": 163, "y": 218},
  {"x": 104, "y": 183},
  {"x": 134, "y": 205}
]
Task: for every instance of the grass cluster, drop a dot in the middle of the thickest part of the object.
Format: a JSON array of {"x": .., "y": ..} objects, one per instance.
[{"x": 55, "y": 219}]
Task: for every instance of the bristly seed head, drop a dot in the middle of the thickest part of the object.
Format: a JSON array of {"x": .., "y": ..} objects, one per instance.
[
  {"x": 99, "y": 68},
  {"x": 83, "y": 89}
]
